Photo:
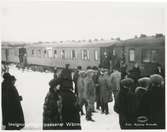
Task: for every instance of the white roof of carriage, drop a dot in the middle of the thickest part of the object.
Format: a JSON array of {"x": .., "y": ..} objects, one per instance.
[{"x": 75, "y": 44}]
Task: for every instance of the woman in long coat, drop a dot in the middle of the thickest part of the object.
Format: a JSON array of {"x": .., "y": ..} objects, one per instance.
[
  {"x": 12, "y": 113},
  {"x": 52, "y": 117},
  {"x": 61, "y": 110}
]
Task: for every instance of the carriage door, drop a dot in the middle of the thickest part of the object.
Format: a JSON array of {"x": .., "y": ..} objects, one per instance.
[
  {"x": 7, "y": 54},
  {"x": 105, "y": 57},
  {"x": 22, "y": 56}
]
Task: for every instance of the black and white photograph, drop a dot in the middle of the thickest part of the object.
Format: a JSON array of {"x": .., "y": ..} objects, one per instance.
[{"x": 82, "y": 65}]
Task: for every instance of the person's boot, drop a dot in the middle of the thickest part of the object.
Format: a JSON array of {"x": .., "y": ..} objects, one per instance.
[
  {"x": 89, "y": 116},
  {"x": 106, "y": 111},
  {"x": 98, "y": 108},
  {"x": 90, "y": 119},
  {"x": 82, "y": 113}
]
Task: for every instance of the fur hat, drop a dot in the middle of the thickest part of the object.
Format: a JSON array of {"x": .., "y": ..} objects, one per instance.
[
  {"x": 140, "y": 89},
  {"x": 6, "y": 76},
  {"x": 127, "y": 83},
  {"x": 144, "y": 82},
  {"x": 156, "y": 79},
  {"x": 82, "y": 73}
]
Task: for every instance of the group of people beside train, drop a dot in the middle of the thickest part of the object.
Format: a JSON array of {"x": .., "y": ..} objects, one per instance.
[{"x": 139, "y": 101}]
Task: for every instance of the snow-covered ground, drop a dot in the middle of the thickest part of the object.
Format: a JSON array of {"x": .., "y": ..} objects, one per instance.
[{"x": 33, "y": 86}]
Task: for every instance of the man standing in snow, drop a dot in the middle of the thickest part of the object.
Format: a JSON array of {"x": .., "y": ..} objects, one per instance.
[
  {"x": 115, "y": 80},
  {"x": 90, "y": 94},
  {"x": 82, "y": 91}
]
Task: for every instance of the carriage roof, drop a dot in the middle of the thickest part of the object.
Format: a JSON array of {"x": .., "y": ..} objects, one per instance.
[
  {"x": 144, "y": 41},
  {"x": 65, "y": 44},
  {"x": 75, "y": 44}
]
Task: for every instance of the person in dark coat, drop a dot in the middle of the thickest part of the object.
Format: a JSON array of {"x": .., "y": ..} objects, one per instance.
[
  {"x": 65, "y": 78},
  {"x": 12, "y": 113},
  {"x": 123, "y": 71},
  {"x": 95, "y": 79},
  {"x": 159, "y": 70},
  {"x": 125, "y": 105},
  {"x": 70, "y": 110},
  {"x": 52, "y": 118},
  {"x": 144, "y": 84},
  {"x": 135, "y": 74},
  {"x": 152, "y": 106}
]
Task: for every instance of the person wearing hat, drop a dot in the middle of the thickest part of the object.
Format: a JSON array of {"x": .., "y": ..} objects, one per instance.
[
  {"x": 95, "y": 79},
  {"x": 152, "y": 105},
  {"x": 104, "y": 90},
  {"x": 65, "y": 78},
  {"x": 90, "y": 94},
  {"x": 52, "y": 107},
  {"x": 82, "y": 91},
  {"x": 125, "y": 104},
  {"x": 135, "y": 73},
  {"x": 159, "y": 70},
  {"x": 12, "y": 113},
  {"x": 144, "y": 84}
]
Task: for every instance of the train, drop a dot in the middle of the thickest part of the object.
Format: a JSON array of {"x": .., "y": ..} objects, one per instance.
[{"x": 146, "y": 51}]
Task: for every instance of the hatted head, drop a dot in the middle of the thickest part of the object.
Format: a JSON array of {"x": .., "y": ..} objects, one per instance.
[
  {"x": 6, "y": 76},
  {"x": 127, "y": 83},
  {"x": 144, "y": 82},
  {"x": 156, "y": 79}
]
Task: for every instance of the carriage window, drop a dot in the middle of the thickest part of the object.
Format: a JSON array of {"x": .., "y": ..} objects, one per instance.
[
  {"x": 39, "y": 53},
  {"x": 132, "y": 55},
  {"x": 55, "y": 53},
  {"x": 45, "y": 53},
  {"x": 32, "y": 53},
  {"x": 146, "y": 56},
  {"x": 50, "y": 53},
  {"x": 63, "y": 54},
  {"x": 16, "y": 52},
  {"x": 85, "y": 54},
  {"x": 154, "y": 56},
  {"x": 96, "y": 55},
  {"x": 150, "y": 56},
  {"x": 73, "y": 54}
]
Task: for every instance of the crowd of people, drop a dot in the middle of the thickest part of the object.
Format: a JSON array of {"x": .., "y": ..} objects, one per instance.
[{"x": 139, "y": 101}]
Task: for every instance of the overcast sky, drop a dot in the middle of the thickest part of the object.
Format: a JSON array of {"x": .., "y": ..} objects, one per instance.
[{"x": 55, "y": 21}]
